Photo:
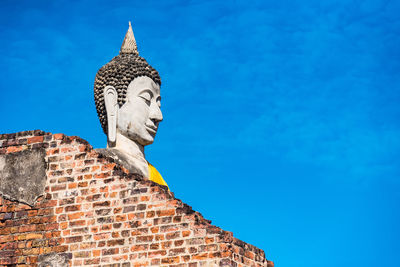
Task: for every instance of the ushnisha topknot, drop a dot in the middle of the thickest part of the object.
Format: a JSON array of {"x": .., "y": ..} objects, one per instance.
[
  {"x": 129, "y": 44},
  {"x": 119, "y": 73}
]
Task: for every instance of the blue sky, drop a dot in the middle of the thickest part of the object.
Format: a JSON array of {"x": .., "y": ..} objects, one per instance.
[{"x": 281, "y": 118}]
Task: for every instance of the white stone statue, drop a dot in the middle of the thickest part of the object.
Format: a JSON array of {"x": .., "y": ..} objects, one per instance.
[{"x": 127, "y": 96}]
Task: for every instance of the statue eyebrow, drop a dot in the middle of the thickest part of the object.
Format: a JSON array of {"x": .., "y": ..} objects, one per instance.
[{"x": 146, "y": 90}]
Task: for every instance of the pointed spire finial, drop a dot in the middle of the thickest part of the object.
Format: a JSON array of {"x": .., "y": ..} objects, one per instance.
[{"x": 129, "y": 44}]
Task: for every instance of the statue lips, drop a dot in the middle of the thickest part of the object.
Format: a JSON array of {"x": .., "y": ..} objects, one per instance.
[{"x": 151, "y": 129}]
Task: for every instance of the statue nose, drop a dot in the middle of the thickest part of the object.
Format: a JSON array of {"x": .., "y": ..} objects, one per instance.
[{"x": 156, "y": 114}]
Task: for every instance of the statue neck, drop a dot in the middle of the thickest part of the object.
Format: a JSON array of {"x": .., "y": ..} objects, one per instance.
[{"x": 132, "y": 150}]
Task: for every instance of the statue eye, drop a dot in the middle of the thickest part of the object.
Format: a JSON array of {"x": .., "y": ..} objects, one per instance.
[
  {"x": 159, "y": 102},
  {"x": 146, "y": 97}
]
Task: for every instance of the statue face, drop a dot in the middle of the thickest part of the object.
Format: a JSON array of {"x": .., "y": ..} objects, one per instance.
[{"x": 139, "y": 117}]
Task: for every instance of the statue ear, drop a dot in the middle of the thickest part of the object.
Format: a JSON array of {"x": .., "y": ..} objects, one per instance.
[{"x": 110, "y": 99}]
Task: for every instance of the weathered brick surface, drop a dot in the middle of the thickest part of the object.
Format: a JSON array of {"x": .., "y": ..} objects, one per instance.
[{"x": 94, "y": 212}]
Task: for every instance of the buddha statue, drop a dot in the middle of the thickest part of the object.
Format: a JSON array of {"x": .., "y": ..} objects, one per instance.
[{"x": 127, "y": 97}]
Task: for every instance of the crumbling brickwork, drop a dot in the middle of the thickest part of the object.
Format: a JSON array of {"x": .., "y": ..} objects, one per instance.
[{"x": 93, "y": 212}]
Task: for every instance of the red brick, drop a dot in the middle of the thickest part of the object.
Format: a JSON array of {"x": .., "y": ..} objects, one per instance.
[
  {"x": 185, "y": 233},
  {"x": 146, "y": 238},
  {"x": 12, "y": 149},
  {"x": 77, "y": 223},
  {"x": 173, "y": 235},
  {"x": 170, "y": 260},
  {"x": 73, "y": 208},
  {"x": 76, "y": 215},
  {"x": 169, "y": 212},
  {"x": 111, "y": 251},
  {"x": 33, "y": 236},
  {"x": 135, "y": 248},
  {"x": 58, "y": 136},
  {"x": 96, "y": 253},
  {"x": 35, "y": 139},
  {"x": 58, "y": 187},
  {"x": 158, "y": 253},
  {"x": 73, "y": 239}
]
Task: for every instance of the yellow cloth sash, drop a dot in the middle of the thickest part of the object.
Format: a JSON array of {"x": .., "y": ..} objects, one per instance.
[{"x": 155, "y": 176}]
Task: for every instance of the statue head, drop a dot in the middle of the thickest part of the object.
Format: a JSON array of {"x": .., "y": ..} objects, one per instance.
[{"x": 127, "y": 95}]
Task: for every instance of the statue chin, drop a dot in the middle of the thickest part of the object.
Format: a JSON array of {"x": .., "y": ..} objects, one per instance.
[{"x": 134, "y": 137}]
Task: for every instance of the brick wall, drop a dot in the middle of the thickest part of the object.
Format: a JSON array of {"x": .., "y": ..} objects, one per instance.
[{"x": 94, "y": 212}]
